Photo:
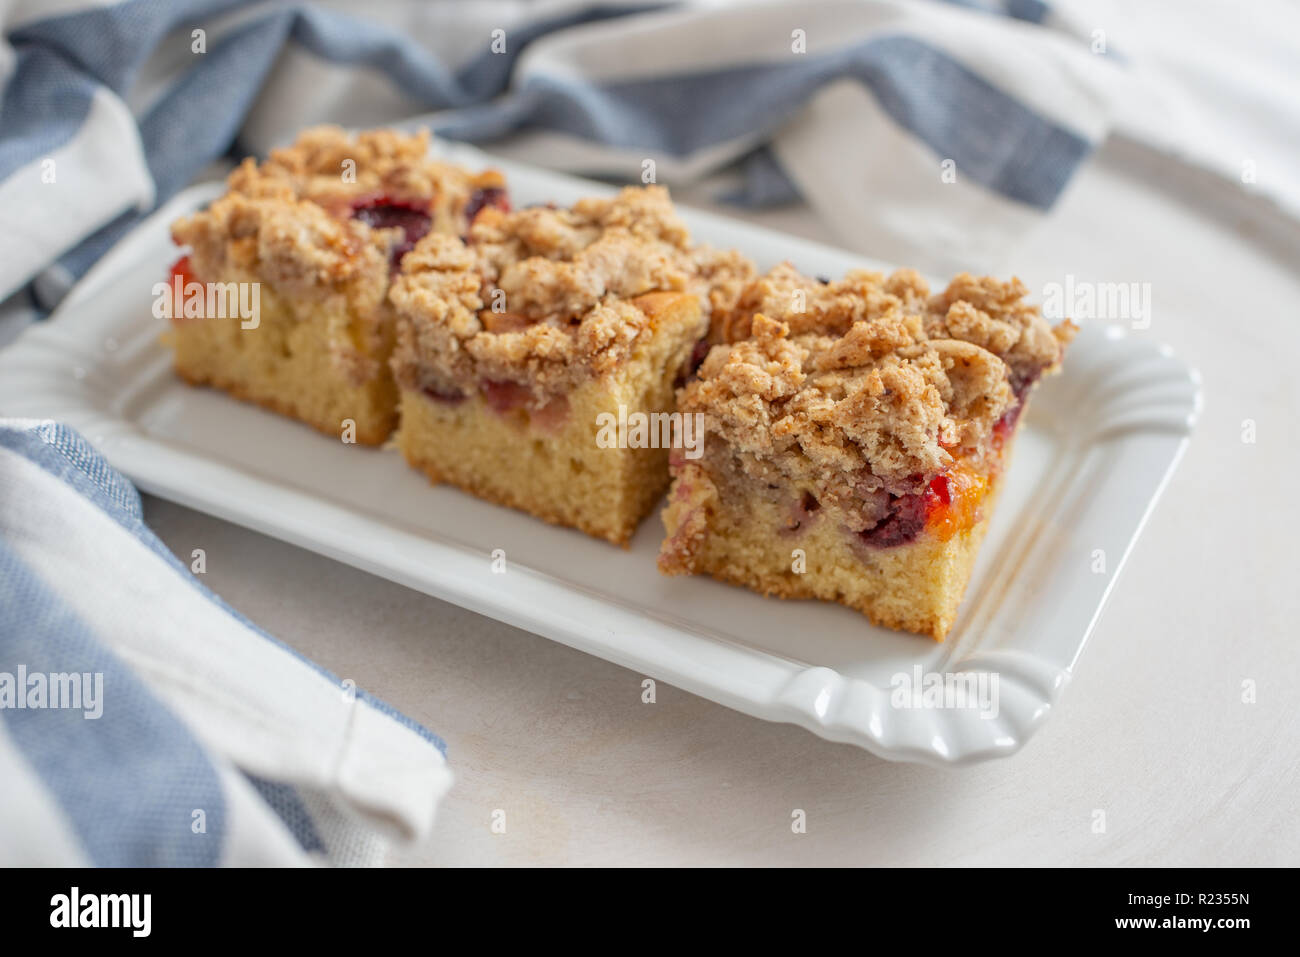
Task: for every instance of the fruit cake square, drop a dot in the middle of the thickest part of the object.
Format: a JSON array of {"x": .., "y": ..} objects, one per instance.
[
  {"x": 524, "y": 355},
  {"x": 311, "y": 238},
  {"x": 856, "y": 433}
]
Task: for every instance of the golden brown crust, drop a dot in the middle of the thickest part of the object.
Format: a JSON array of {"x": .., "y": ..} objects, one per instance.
[
  {"x": 541, "y": 297},
  {"x": 335, "y": 170},
  {"x": 288, "y": 221},
  {"x": 722, "y": 275},
  {"x": 553, "y": 465},
  {"x": 562, "y": 262},
  {"x": 518, "y": 497},
  {"x": 691, "y": 501},
  {"x": 290, "y": 225},
  {"x": 852, "y": 424},
  {"x": 368, "y": 431},
  {"x": 929, "y": 576},
  {"x": 868, "y": 375},
  {"x": 744, "y": 537},
  {"x": 811, "y": 305},
  {"x": 293, "y": 245}
]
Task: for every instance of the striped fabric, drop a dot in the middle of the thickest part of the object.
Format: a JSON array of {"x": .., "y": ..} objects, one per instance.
[
  {"x": 937, "y": 132},
  {"x": 143, "y": 722}
]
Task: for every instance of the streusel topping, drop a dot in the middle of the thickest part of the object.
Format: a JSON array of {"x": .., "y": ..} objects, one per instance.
[
  {"x": 337, "y": 171},
  {"x": 451, "y": 341},
  {"x": 305, "y": 219},
  {"x": 984, "y": 311},
  {"x": 540, "y": 296},
  {"x": 294, "y": 245},
  {"x": 562, "y": 262},
  {"x": 870, "y": 376},
  {"x": 722, "y": 276}
]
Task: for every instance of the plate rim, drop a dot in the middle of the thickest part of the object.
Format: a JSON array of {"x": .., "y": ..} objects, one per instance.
[{"x": 824, "y": 701}]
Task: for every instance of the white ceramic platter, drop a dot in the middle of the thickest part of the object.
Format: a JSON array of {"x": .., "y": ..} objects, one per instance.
[{"x": 1097, "y": 446}]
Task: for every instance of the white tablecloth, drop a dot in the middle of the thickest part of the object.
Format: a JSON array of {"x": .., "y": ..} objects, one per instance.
[{"x": 1153, "y": 731}]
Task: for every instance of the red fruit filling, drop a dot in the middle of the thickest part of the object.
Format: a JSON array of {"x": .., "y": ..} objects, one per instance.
[
  {"x": 182, "y": 268},
  {"x": 184, "y": 271},
  {"x": 505, "y": 396},
  {"x": 1006, "y": 426},
  {"x": 439, "y": 394},
  {"x": 948, "y": 505},
  {"x": 905, "y": 521},
  {"x": 801, "y": 512},
  {"x": 385, "y": 212},
  {"x": 552, "y": 416},
  {"x": 480, "y": 199},
  {"x": 941, "y": 491},
  {"x": 952, "y": 502}
]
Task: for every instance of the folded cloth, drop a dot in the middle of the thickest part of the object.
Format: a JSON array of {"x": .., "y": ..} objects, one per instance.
[
  {"x": 937, "y": 133},
  {"x": 144, "y": 722},
  {"x": 926, "y": 130}
]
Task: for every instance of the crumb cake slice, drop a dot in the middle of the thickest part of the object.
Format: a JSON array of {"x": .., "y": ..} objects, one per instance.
[
  {"x": 318, "y": 230},
  {"x": 856, "y": 433},
  {"x": 519, "y": 351}
]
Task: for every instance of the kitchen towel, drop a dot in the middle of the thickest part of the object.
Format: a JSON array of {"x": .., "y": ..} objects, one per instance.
[
  {"x": 144, "y": 722},
  {"x": 936, "y": 133}
]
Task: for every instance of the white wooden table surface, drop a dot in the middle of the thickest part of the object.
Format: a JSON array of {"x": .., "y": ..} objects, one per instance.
[{"x": 1154, "y": 730}]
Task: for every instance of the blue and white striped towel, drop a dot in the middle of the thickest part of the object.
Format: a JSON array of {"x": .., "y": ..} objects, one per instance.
[
  {"x": 111, "y": 108},
  {"x": 936, "y": 133},
  {"x": 144, "y": 722}
]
